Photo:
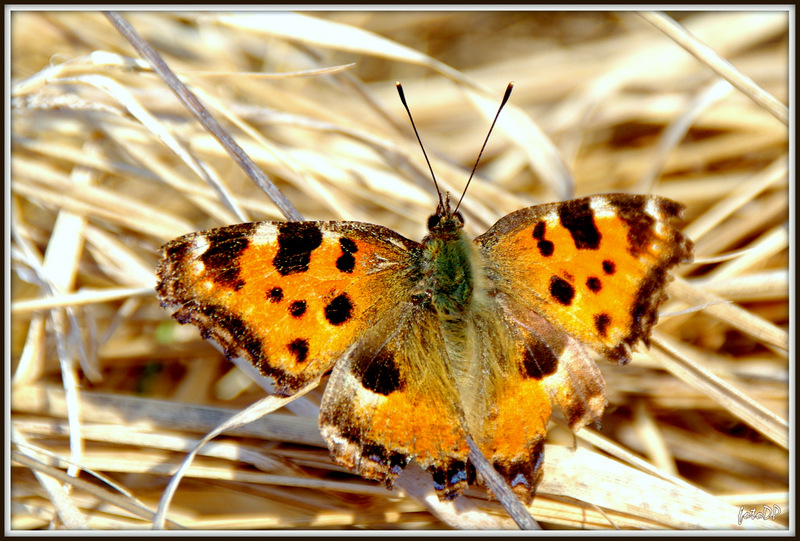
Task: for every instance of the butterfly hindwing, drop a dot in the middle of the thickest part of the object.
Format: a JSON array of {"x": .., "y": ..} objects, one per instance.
[
  {"x": 290, "y": 297},
  {"x": 507, "y": 406},
  {"x": 563, "y": 365},
  {"x": 523, "y": 366},
  {"x": 391, "y": 398}
]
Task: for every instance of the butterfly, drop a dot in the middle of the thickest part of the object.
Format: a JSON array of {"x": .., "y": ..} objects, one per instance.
[{"x": 429, "y": 343}]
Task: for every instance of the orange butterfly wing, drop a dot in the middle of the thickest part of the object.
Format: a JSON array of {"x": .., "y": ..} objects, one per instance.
[
  {"x": 595, "y": 268},
  {"x": 290, "y": 297}
]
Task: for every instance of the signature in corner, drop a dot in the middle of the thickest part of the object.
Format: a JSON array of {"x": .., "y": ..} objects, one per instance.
[{"x": 753, "y": 514}]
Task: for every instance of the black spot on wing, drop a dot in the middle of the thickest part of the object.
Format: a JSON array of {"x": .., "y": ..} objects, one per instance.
[
  {"x": 609, "y": 267},
  {"x": 221, "y": 258},
  {"x": 578, "y": 217},
  {"x": 594, "y": 284},
  {"x": 297, "y": 308},
  {"x": 348, "y": 246},
  {"x": 561, "y": 290},
  {"x": 296, "y": 241},
  {"x": 539, "y": 230},
  {"x": 380, "y": 374},
  {"x": 546, "y": 247},
  {"x": 538, "y": 360},
  {"x": 275, "y": 295},
  {"x": 299, "y": 348},
  {"x": 339, "y": 310},
  {"x": 346, "y": 262},
  {"x": 601, "y": 323}
]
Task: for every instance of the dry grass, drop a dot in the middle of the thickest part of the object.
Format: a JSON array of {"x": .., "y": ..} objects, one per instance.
[{"x": 106, "y": 387}]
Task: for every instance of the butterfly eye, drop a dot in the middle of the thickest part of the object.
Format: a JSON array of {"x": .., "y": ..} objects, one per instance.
[
  {"x": 459, "y": 218},
  {"x": 433, "y": 221}
]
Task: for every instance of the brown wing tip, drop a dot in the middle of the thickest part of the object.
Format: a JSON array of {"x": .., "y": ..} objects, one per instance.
[{"x": 651, "y": 295}]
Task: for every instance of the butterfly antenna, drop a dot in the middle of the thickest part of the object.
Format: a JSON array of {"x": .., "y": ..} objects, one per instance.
[
  {"x": 474, "y": 167},
  {"x": 435, "y": 184}
]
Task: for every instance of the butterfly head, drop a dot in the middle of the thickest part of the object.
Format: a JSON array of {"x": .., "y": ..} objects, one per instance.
[{"x": 445, "y": 220}]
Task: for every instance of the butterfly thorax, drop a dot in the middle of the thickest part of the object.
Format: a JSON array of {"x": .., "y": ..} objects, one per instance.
[{"x": 447, "y": 266}]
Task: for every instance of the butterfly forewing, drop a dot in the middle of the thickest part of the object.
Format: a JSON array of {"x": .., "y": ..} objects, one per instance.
[
  {"x": 290, "y": 297},
  {"x": 594, "y": 267}
]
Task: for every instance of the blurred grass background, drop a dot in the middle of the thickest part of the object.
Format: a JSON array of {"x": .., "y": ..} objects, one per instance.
[{"x": 602, "y": 102}]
